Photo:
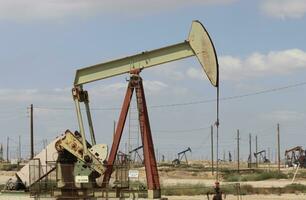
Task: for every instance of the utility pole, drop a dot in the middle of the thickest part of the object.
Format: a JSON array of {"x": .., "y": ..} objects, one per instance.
[
  {"x": 1, "y": 152},
  {"x": 19, "y": 148},
  {"x": 129, "y": 138},
  {"x": 250, "y": 156},
  {"x": 212, "y": 148},
  {"x": 234, "y": 156},
  {"x": 114, "y": 131},
  {"x": 44, "y": 143},
  {"x": 238, "y": 146},
  {"x": 256, "y": 149},
  {"x": 275, "y": 156},
  {"x": 32, "y": 131},
  {"x": 7, "y": 149},
  {"x": 278, "y": 148}
]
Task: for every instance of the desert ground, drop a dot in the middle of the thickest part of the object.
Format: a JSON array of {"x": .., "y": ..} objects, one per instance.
[
  {"x": 248, "y": 197},
  {"x": 229, "y": 197},
  {"x": 191, "y": 176}
]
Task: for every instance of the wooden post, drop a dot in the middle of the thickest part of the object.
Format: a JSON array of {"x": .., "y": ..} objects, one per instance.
[
  {"x": 250, "y": 156},
  {"x": 7, "y": 149},
  {"x": 256, "y": 149},
  {"x": 278, "y": 148},
  {"x": 32, "y": 132},
  {"x": 19, "y": 148},
  {"x": 238, "y": 147},
  {"x": 114, "y": 130}
]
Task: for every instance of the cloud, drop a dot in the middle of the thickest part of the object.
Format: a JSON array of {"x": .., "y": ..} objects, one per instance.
[
  {"x": 117, "y": 90},
  {"x": 59, "y": 96},
  {"x": 283, "y": 9},
  {"x": 283, "y": 116},
  {"x": 259, "y": 64},
  {"x": 195, "y": 73},
  {"x": 57, "y": 9},
  {"x": 154, "y": 86},
  {"x": 236, "y": 68},
  {"x": 107, "y": 90},
  {"x": 170, "y": 71},
  {"x": 30, "y": 95}
]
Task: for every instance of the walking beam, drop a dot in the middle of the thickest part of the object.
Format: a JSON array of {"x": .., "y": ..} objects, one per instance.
[{"x": 198, "y": 44}]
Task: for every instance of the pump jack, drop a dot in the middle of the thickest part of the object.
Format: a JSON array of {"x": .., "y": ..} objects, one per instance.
[
  {"x": 136, "y": 153},
  {"x": 198, "y": 44},
  {"x": 296, "y": 156},
  {"x": 262, "y": 155},
  {"x": 180, "y": 156}
]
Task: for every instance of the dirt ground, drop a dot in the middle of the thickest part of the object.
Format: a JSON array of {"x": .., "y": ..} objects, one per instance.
[
  {"x": 176, "y": 177},
  {"x": 261, "y": 184},
  {"x": 15, "y": 197},
  {"x": 248, "y": 197},
  {"x": 229, "y": 197},
  {"x": 167, "y": 181},
  {"x": 5, "y": 175}
]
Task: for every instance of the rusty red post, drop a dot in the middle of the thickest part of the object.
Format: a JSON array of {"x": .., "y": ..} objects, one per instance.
[
  {"x": 147, "y": 141},
  {"x": 118, "y": 134},
  {"x": 148, "y": 146}
]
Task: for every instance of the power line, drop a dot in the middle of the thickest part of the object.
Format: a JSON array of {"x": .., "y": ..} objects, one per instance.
[
  {"x": 190, "y": 102},
  {"x": 185, "y": 130}
]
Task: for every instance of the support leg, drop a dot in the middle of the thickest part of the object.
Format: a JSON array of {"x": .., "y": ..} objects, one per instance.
[
  {"x": 118, "y": 134},
  {"x": 148, "y": 147}
]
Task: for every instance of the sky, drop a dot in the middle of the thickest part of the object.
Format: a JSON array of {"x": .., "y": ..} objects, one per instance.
[{"x": 261, "y": 51}]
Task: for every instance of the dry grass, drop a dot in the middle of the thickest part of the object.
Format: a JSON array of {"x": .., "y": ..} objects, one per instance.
[{"x": 257, "y": 176}]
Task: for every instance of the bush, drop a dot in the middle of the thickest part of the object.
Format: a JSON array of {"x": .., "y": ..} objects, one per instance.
[
  {"x": 186, "y": 189},
  {"x": 8, "y": 167},
  {"x": 295, "y": 187},
  {"x": 200, "y": 189},
  {"x": 259, "y": 176}
]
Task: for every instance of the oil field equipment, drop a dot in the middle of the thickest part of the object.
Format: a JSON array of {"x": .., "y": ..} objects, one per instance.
[
  {"x": 180, "y": 156},
  {"x": 229, "y": 157},
  {"x": 262, "y": 155},
  {"x": 84, "y": 168},
  {"x": 1, "y": 152},
  {"x": 163, "y": 158},
  {"x": 63, "y": 155},
  {"x": 295, "y": 156},
  {"x": 198, "y": 44},
  {"x": 136, "y": 154},
  {"x": 121, "y": 169}
]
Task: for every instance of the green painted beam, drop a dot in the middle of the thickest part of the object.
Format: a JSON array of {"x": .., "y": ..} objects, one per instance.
[
  {"x": 199, "y": 44},
  {"x": 124, "y": 65}
]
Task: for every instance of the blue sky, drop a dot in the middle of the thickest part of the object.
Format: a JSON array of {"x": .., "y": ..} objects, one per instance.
[{"x": 260, "y": 44}]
